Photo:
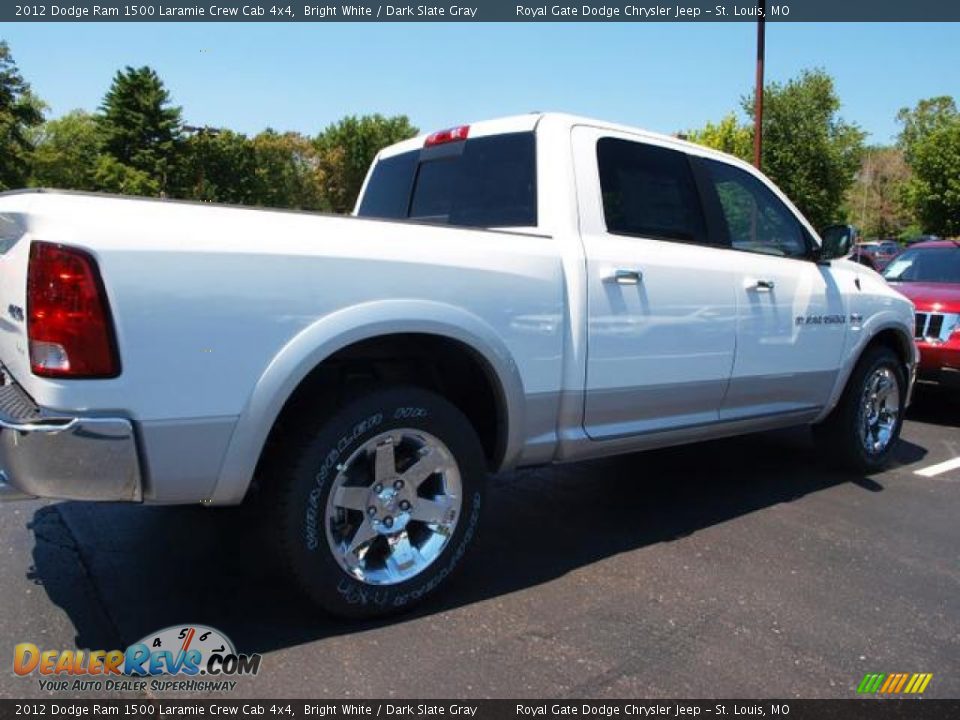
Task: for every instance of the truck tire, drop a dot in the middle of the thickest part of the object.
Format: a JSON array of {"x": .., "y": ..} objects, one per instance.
[
  {"x": 862, "y": 431},
  {"x": 375, "y": 507}
]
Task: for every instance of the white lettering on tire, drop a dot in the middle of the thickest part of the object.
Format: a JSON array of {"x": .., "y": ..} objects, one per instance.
[{"x": 311, "y": 533}]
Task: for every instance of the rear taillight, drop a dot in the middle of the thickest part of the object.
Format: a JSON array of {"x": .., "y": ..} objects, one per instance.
[
  {"x": 68, "y": 318},
  {"x": 446, "y": 136}
]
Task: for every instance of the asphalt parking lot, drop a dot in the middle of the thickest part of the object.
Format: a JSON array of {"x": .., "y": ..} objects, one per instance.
[{"x": 738, "y": 568}]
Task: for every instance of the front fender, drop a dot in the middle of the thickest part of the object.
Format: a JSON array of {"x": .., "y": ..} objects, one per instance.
[
  {"x": 860, "y": 339},
  {"x": 333, "y": 332}
]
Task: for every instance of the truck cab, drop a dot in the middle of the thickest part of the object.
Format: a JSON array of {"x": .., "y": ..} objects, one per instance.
[{"x": 699, "y": 298}]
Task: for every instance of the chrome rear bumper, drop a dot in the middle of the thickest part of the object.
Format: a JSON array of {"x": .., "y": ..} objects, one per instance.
[{"x": 49, "y": 455}]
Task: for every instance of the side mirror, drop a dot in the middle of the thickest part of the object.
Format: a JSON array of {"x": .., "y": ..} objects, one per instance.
[{"x": 838, "y": 241}]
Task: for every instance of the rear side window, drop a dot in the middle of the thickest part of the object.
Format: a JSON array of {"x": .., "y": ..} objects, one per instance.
[
  {"x": 388, "y": 193},
  {"x": 649, "y": 191},
  {"x": 12, "y": 228},
  {"x": 480, "y": 182}
]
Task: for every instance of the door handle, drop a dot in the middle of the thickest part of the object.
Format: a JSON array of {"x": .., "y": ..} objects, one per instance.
[
  {"x": 759, "y": 285},
  {"x": 626, "y": 277}
]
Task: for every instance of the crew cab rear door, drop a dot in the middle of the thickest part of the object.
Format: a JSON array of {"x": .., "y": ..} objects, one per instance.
[{"x": 661, "y": 300}]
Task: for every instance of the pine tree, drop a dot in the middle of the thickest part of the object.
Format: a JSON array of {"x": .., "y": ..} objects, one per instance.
[
  {"x": 140, "y": 128},
  {"x": 19, "y": 111}
]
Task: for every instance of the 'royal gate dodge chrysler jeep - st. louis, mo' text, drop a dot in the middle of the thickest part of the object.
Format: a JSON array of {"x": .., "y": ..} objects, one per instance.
[{"x": 536, "y": 289}]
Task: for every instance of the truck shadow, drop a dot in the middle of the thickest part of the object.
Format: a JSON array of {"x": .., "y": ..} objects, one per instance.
[{"x": 121, "y": 572}]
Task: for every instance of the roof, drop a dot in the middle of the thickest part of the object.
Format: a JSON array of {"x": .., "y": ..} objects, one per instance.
[
  {"x": 513, "y": 123},
  {"x": 529, "y": 122},
  {"x": 936, "y": 244}
]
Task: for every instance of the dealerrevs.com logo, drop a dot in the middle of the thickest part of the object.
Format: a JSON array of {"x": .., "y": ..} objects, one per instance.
[{"x": 181, "y": 658}]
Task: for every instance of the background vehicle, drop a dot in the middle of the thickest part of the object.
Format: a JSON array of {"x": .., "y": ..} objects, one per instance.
[
  {"x": 922, "y": 238},
  {"x": 522, "y": 291},
  {"x": 875, "y": 254},
  {"x": 865, "y": 253},
  {"x": 886, "y": 250},
  {"x": 929, "y": 274}
]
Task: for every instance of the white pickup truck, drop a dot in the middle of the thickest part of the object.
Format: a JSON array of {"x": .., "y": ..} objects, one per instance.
[{"x": 536, "y": 289}]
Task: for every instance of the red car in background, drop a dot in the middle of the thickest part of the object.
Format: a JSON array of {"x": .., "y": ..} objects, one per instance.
[
  {"x": 879, "y": 253},
  {"x": 929, "y": 274}
]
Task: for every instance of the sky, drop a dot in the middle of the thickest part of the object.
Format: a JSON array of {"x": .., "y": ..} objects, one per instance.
[{"x": 664, "y": 77}]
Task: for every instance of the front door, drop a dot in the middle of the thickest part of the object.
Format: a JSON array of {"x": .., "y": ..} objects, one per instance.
[{"x": 792, "y": 317}]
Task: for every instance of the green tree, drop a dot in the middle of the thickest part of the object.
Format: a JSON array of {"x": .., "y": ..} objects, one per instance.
[
  {"x": 285, "y": 172},
  {"x": 934, "y": 190},
  {"x": 20, "y": 111},
  {"x": 727, "y": 136},
  {"x": 217, "y": 166},
  {"x": 930, "y": 140},
  {"x": 66, "y": 152},
  {"x": 111, "y": 175},
  {"x": 875, "y": 200},
  {"x": 808, "y": 150},
  {"x": 140, "y": 128},
  {"x": 925, "y": 118},
  {"x": 346, "y": 149}
]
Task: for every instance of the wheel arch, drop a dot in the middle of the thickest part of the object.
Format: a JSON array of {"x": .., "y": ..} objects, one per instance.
[
  {"x": 894, "y": 338},
  {"x": 890, "y": 334},
  {"x": 336, "y": 334}
]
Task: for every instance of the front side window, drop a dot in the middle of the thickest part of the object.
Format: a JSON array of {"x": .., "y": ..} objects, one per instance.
[
  {"x": 649, "y": 191},
  {"x": 755, "y": 218}
]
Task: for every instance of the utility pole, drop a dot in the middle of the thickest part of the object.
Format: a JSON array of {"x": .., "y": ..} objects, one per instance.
[{"x": 758, "y": 92}]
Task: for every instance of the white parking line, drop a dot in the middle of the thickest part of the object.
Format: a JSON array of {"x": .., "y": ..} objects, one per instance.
[{"x": 939, "y": 468}]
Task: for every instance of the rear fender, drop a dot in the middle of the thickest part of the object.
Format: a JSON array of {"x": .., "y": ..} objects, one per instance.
[{"x": 343, "y": 328}]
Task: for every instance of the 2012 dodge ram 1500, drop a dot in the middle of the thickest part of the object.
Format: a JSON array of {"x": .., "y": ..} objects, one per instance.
[{"x": 529, "y": 290}]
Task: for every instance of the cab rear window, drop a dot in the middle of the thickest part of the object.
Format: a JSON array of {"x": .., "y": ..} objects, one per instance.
[{"x": 480, "y": 182}]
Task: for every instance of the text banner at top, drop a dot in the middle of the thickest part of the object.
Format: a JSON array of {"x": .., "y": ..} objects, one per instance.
[{"x": 483, "y": 11}]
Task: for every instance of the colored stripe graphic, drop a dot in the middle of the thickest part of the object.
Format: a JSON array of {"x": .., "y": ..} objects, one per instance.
[
  {"x": 894, "y": 683},
  {"x": 891, "y": 681},
  {"x": 871, "y": 682}
]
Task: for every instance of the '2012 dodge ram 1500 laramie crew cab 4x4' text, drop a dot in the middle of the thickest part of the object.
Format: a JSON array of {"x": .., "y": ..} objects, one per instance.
[{"x": 530, "y": 290}]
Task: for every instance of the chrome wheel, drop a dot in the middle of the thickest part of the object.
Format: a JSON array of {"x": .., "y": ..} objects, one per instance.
[
  {"x": 879, "y": 410},
  {"x": 393, "y": 506}
]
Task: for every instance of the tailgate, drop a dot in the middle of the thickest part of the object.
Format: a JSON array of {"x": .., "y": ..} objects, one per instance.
[{"x": 14, "y": 255}]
